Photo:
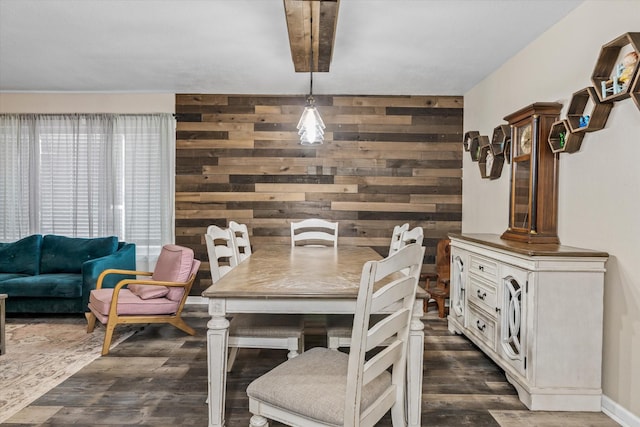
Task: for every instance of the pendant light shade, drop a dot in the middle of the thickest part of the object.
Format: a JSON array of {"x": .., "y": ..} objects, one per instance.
[{"x": 311, "y": 127}]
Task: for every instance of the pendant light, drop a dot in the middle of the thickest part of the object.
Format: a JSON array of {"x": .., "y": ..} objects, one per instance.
[{"x": 311, "y": 127}]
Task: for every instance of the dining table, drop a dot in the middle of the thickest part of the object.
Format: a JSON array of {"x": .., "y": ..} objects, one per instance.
[{"x": 281, "y": 279}]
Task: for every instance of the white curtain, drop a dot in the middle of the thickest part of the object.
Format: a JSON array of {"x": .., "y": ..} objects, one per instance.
[{"x": 89, "y": 175}]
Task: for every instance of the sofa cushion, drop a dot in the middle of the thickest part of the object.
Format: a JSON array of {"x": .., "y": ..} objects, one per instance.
[
  {"x": 21, "y": 257},
  {"x": 62, "y": 254},
  {"x": 61, "y": 285},
  {"x": 149, "y": 291},
  {"x": 174, "y": 265},
  {"x": 7, "y": 276}
]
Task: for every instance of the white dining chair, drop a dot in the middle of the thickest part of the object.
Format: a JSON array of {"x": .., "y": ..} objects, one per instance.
[
  {"x": 221, "y": 250},
  {"x": 339, "y": 326},
  {"x": 322, "y": 387},
  {"x": 314, "y": 232},
  {"x": 246, "y": 330},
  {"x": 242, "y": 239},
  {"x": 396, "y": 235}
]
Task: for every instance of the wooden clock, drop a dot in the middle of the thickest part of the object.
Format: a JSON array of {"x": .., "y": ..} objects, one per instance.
[{"x": 533, "y": 202}]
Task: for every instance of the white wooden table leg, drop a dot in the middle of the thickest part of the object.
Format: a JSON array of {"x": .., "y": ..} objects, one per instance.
[
  {"x": 217, "y": 347},
  {"x": 415, "y": 362}
]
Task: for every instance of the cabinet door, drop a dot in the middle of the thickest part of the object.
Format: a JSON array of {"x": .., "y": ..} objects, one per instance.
[
  {"x": 458, "y": 285},
  {"x": 513, "y": 317}
]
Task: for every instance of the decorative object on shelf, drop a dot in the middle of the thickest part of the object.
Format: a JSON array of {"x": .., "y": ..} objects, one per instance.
[
  {"x": 490, "y": 163},
  {"x": 629, "y": 64},
  {"x": 562, "y": 139},
  {"x": 533, "y": 201},
  {"x": 585, "y": 111},
  {"x": 477, "y": 142},
  {"x": 584, "y": 121},
  {"x": 614, "y": 74},
  {"x": 468, "y": 136},
  {"x": 311, "y": 127}
]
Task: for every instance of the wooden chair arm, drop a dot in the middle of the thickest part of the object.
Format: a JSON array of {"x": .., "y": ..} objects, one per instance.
[{"x": 119, "y": 271}]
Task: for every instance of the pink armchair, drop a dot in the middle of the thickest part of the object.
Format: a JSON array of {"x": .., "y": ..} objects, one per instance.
[{"x": 159, "y": 299}]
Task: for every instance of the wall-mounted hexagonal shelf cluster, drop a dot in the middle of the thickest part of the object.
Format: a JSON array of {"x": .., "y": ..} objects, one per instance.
[{"x": 616, "y": 76}]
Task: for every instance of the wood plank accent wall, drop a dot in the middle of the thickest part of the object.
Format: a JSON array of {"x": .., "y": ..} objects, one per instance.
[{"x": 386, "y": 160}]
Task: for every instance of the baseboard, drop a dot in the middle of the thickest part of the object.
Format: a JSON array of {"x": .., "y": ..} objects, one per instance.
[{"x": 619, "y": 414}]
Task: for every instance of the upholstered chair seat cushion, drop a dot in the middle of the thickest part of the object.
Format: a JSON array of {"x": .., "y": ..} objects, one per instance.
[
  {"x": 128, "y": 304},
  {"x": 313, "y": 385}
]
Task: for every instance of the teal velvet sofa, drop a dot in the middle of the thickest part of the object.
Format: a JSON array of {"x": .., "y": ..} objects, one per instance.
[{"x": 55, "y": 274}]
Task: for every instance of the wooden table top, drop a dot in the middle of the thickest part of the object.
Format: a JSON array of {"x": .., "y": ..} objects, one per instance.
[{"x": 278, "y": 271}]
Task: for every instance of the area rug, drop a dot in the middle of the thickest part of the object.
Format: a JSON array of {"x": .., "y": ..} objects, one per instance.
[{"x": 43, "y": 352}]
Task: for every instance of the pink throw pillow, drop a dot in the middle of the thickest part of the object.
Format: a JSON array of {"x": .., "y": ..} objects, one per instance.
[{"x": 148, "y": 291}]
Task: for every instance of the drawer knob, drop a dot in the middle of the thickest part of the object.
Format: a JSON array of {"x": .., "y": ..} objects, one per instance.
[
  {"x": 481, "y": 326},
  {"x": 481, "y": 267},
  {"x": 481, "y": 295}
]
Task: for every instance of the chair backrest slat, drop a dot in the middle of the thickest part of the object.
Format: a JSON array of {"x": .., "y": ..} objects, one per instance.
[
  {"x": 241, "y": 233},
  {"x": 415, "y": 235},
  {"x": 315, "y": 231},
  {"x": 395, "y": 237}
]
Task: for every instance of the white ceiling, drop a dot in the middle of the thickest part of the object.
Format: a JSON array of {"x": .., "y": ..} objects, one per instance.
[{"x": 393, "y": 47}]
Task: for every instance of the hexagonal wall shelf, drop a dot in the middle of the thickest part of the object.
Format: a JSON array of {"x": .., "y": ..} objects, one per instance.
[
  {"x": 586, "y": 112},
  {"x": 562, "y": 140},
  {"x": 501, "y": 140},
  {"x": 477, "y": 142},
  {"x": 612, "y": 76},
  {"x": 489, "y": 163},
  {"x": 468, "y": 136}
]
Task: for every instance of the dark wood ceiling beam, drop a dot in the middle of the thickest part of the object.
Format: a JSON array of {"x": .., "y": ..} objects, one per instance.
[{"x": 325, "y": 17}]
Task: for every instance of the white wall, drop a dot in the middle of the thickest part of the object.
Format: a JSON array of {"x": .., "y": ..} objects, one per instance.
[
  {"x": 86, "y": 103},
  {"x": 599, "y": 194}
]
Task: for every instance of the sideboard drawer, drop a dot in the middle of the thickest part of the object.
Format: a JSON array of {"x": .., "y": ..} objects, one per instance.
[
  {"x": 483, "y": 294},
  {"x": 482, "y": 326},
  {"x": 484, "y": 267}
]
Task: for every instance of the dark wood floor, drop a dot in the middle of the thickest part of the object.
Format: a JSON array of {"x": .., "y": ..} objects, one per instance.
[{"x": 158, "y": 377}]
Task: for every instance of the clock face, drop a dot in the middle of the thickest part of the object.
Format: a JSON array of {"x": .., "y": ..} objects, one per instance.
[{"x": 525, "y": 140}]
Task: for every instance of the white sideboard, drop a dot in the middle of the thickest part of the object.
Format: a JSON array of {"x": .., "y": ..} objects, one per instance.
[{"x": 536, "y": 310}]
